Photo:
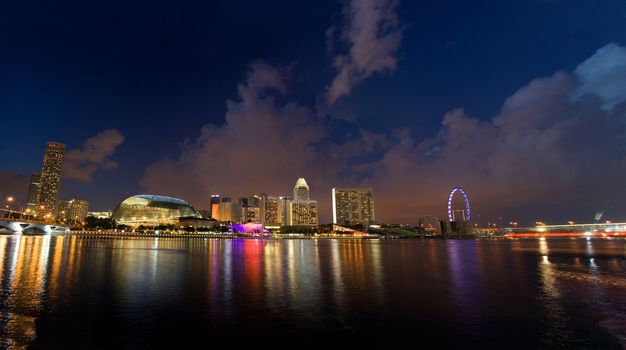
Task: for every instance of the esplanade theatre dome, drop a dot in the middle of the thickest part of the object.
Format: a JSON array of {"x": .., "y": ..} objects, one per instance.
[{"x": 147, "y": 209}]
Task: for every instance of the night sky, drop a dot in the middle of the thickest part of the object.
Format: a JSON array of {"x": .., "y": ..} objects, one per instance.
[{"x": 522, "y": 103}]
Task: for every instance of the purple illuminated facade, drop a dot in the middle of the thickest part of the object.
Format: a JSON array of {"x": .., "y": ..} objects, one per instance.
[{"x": 249, "y": 228}]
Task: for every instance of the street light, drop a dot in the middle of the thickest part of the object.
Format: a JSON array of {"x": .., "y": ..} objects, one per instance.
[{"x": 9, "y": 200}]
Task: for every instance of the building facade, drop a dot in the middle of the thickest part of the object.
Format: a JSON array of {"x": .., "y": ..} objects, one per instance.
[
  {"x": 34, "y": 188},
  {"x": 51, "y": 176},
  {"x": 271, "y": 211},
  {"x": 353, "y": 206},
  {"x": 301, "y": 190},
  {"x": 214, "y": 206},
  {"x": 146, "y": 209},
  {"x": 72, "y": 211},
  {"x": 99, "y": 214},
  {"x": 302, "y": 211}
]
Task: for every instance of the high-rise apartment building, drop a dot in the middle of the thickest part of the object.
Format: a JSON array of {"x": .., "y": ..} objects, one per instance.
[
  {"x": 51, "y": 176},
  {"x": 271, "y": 210},
  {"x": 72, "y": 211},
  {"x": 353, "y": 206},
  {"x": 285, "y": 214},
  {"x": 303, "y": 213},
  {"x": 78, "y": 210},
  {"x": 32, "y": 200}
]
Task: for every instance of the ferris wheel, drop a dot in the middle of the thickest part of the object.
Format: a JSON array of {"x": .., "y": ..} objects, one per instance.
[{"x": 451, "y": 212}]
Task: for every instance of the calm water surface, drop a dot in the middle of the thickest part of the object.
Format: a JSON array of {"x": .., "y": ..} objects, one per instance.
[{"x": 70, "y": 292}]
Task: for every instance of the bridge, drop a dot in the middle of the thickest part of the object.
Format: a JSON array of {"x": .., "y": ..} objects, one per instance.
[{"x": 29, "y": 227}]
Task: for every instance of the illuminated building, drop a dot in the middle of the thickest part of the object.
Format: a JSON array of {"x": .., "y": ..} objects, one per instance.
[
  {"x": 303, "y": 213},
  {"x": 302, "y": 210},
  {"x": 301, "y": 190},
  {"x": 72, "y": 211},
  {"x": 271, "y": 210},
  {"x": 285, "y": 214},
  {"x": 251, "y": 208},
  {"x": 229, "y": 211},
  {"x": 254, "y": 201},
  {"x": 249, "y": 228},
  {"x": 63, "y": 209},
  {"x": 214, "y": 206},
  {"x": 33, "y": 192},
  {"x": 51, "y": 176},
  {"x": 252, "y": 214},
  {"x": 147, "y": 209},
  {"x": 78, "y": 210},
  {"x": 100, "y": 214},
  {"x": 353, "y": 206}
]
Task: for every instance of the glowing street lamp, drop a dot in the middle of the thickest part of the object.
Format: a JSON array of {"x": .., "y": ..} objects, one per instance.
[{"x": 9, "y": 201}]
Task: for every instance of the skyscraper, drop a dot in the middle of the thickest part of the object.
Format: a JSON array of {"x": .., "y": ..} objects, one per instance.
[
  {"x": 302, "y": 210},
  {"x": 72, "y": 211},
  {"x": 353, "y": 206},
  {"x": 271, "y": 210},
  {"x": 301, "y": 190},
  {"x": 33, "y": 192},
  {"x": 78, "y": 210},
  {"x": 51, "y": 176},
  {"x": 303, "y": 213},
  {"x": 214, "y": 206},
  {"x": 285, "y": 214},
  {"x": 63, "y": 209}
]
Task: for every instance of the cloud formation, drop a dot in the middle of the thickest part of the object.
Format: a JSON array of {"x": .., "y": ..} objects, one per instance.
[
  {"x": 263, "y": 146},
  {"x": 373, "y": 35},
  {"x": 548, "y": 147},
  {"x": 604, "y": 75},
  {"x": 82, "y": 163}
]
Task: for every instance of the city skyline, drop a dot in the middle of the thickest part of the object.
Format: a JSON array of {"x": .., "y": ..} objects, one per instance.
[{"x": 522, "y": 117}]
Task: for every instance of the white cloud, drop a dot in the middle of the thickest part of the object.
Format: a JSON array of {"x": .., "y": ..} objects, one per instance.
[
  {"x": 604, "y": 75},
  {"x": 373, "y": 35},
  {"x": 81, "y": 164}
]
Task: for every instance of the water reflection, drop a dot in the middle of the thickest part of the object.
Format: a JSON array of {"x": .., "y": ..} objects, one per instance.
[
  {"x": 23, "y": 274},
  {"x": 139, "y": 291}
]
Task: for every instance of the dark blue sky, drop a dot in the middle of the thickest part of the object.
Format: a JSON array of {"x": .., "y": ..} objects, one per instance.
[{"x": 159, "y": 71}]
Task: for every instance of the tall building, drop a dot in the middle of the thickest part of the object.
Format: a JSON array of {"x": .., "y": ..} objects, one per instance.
[
  {"x": 214, "y": 206},
  {"x": 252, "y": 214},
  {"x": 271, "y": 211},
  {"x": 254, "y": 201},
  {"x": 78, "y": 210},
  {"x": 229, "y": 211},
  {"x": 33, "y": 192},
  {"x": 51, "y": 176},
  {"x": 301, "y": 190},
  {"x": 302, "y": 211},
  {"x": 63, "y": 210},
  {"x": 72, "y": 211},
  {"x": 285, "y": 214},
  {"x": 353, "y": 206}
]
